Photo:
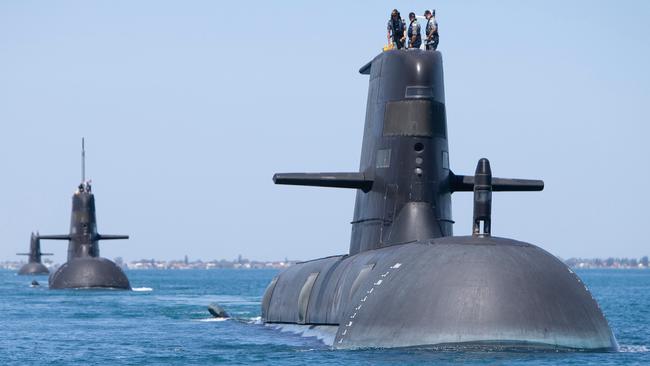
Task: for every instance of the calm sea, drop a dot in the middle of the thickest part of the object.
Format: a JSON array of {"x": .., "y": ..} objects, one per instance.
[{"x": 165, "y": 322}]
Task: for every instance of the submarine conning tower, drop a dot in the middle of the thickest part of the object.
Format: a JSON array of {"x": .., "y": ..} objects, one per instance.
[
  {"x": 404, "y": 179},
  {"x": 405, "y": 151},
  {"x": 83, "y": 237},
  {"x": 85, "y": 268},
  {"x": 83, "y": 224}
]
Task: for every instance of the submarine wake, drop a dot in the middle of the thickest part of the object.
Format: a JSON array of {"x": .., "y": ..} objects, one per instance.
[
  {"x": 633, "y": 349},
  {"x": 324, "y": 333},
  {"x": 141, "y": 289},
  {"x": 209, "y": 320}
]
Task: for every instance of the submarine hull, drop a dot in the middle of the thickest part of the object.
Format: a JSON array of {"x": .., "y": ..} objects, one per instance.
[
  {"x": 89, "y": 273},
  {"x": 407, "y": 281},
  {"x": 452, "y": 290},
  {"x": 33, "y": 269}
]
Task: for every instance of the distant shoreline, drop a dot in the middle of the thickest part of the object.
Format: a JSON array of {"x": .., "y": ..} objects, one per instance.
[{"x": 243, "y": 263}]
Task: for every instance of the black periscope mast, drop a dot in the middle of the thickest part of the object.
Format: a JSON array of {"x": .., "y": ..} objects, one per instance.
[
  {"x": 407, "y": 280},
  {"x": 85, "y": 269}
]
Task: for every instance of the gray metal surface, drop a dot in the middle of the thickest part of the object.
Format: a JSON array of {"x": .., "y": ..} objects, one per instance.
[
  {"x": 34, "y": 265},
  {"x": 85, "y": 268},
  {"x": 446, "y": 290},
  {"x": 89, "y": 273},
  {"x": 407, "y": 281}
]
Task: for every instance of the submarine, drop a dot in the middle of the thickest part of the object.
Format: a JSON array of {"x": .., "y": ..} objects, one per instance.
[
  {"x": 85, "y": 269},
  {"x": 407, "y": 281},
  {"x": 34, "y": 265}
]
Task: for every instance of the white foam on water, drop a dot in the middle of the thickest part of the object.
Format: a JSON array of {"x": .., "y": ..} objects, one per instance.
[
  {"x": 142, "y": 289},
  {"x": 255, "y": 320},
  {"x": 633, "y": 349},
  {"x": 211, "y": 320},
  {"x": 324, "y": 333}
]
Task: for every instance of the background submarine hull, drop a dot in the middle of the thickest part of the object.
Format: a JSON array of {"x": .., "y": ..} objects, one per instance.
[
  {"x": 33, "y": 269},
  {"x": 89, "y": 272},
  {"x": 451, "y": 290}
]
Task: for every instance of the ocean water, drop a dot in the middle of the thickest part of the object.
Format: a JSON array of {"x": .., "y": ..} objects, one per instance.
[{"x": 165, "y": 322}]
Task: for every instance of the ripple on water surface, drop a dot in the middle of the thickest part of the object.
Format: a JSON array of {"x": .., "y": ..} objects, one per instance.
[{"x": 164, "y": 320}]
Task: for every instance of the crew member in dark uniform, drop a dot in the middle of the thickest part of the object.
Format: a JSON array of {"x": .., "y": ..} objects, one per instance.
[
  {"x": 396, "y": 28},
  {"x": 415, "y": 38},
  {"x": 431, "y": 30}
]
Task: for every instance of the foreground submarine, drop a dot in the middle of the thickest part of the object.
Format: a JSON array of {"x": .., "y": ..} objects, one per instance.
[
  {"x": 407, "y": 281},
  {"x": 85, "y": 269},
  {"x": 34, "y": 265}
]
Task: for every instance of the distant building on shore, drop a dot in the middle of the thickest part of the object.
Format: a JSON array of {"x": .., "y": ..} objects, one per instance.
[
  {"x": 239, "y": 263},
  {"x": 607, "y": 263},
  {"x": 243, "y": 263}
]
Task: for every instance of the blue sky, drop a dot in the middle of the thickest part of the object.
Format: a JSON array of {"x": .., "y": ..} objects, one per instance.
[{"x": 189, "y": 107}]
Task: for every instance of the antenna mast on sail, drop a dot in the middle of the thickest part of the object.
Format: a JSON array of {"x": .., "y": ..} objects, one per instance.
[{"x": 83, "y": 161}]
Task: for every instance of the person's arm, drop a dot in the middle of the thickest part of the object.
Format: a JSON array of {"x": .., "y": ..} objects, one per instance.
[{"x": 403, "y": 39}]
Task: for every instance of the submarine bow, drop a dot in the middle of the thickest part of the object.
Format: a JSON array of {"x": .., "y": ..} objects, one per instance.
[{"x": 407, "y": 281}]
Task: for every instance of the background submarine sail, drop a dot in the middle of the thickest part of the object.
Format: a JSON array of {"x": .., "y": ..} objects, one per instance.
[
  {"x": 85, "y": 268},
  {"x": 407, "y": 281},
  {"x": 34, "y": 265}
]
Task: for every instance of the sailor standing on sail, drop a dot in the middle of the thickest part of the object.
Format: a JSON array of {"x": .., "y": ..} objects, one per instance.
[
  {"x": 396, "y": 28},
  {"x": 415, "y": 38},
  {"x": 431, "y": 31}
]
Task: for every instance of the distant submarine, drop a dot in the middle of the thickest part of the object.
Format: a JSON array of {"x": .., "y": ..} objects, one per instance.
[
  {"x": 85, "y": 269},
  {"x": 407, "y": 280},
  {"x": 34, "y": 265}
]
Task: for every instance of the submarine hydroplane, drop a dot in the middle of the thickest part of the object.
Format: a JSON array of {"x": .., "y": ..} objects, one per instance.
[{"x": 407, "y": 280}]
